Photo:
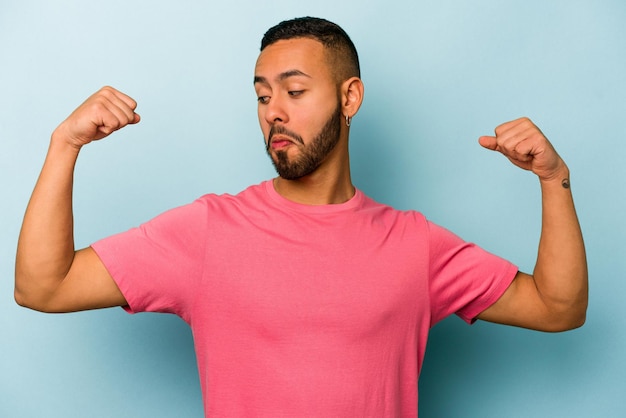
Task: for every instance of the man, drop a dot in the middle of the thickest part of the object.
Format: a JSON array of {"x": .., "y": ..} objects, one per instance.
[{"x": 305, "y": 297}]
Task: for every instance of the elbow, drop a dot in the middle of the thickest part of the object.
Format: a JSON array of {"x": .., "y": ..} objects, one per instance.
[
  {"x": 29, "y": 303},
  {"x": 568, "y": 312},
  {"x": 578, "y": 312},
  {"x": 20, "y": 295},
  {"x": 31, "y": 299},
  {"x": 576, "y": 321},
  {"x": 20, "y": 299},
  {"x": 24, "y": 289},
  {"x": 580, "y": 317},
  {"x": 24, "y": 300},
  {"x": 568, "y": 319}
]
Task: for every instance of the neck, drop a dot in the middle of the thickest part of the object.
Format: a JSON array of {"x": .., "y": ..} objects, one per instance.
[{"x": 323, "y": 187}]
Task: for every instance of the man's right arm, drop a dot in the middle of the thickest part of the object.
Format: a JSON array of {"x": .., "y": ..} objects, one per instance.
[{"x": 50, "y": 275}]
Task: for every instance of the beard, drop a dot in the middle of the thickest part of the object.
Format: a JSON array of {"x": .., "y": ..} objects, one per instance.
[{"x": 312, "y": 155}]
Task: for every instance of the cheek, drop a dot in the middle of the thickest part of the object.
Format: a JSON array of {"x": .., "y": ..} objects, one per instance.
[
  {"x": 307, "y": 121},
  {"x": 314, "y": 124},
  {"x": 263, "y": 124}
]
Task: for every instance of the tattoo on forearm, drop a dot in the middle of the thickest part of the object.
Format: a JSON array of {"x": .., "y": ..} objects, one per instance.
[{"x": 565, "y": 183}]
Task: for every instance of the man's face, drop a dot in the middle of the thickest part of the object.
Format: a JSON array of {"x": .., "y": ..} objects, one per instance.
[{"x": 299, "y": 109}]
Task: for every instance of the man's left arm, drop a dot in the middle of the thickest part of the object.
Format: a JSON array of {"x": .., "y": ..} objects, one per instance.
[{"x": 554, "y": 297}]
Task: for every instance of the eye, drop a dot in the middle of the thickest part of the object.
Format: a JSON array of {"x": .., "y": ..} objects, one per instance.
[
  {"x": 263, "y": 99},
  {"x": 296, "y": 93}
]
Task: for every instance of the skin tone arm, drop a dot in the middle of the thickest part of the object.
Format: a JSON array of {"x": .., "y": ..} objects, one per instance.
[
  {"x": 50, "y": 275},
  {"x": 554, "y": 297}
]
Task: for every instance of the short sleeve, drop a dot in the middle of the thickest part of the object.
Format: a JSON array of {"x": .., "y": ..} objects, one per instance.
[
  {"x": 158, "y": 265},
  {"x": 464, "y": 278}
]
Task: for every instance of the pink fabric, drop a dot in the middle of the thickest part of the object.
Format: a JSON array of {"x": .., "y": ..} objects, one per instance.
[{"x": 304, "y": 310}]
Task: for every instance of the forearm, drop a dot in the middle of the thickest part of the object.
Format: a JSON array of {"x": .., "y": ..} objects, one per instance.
[
  {"x": 46, "y": 244},
  {"x": 561, "y": 270}
]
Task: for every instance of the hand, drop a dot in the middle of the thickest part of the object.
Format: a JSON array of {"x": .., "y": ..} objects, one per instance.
[
  {"x": 101, "y": 114},
  {"x": 525, "y": 146}
]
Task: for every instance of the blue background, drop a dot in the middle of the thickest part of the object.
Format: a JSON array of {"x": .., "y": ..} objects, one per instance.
[{"x": 438, "y": 74}]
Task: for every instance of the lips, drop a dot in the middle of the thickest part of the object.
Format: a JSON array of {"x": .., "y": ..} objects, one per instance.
[
  {"x": 281, "y": 137},
  {"x": 280, "y": 141}
]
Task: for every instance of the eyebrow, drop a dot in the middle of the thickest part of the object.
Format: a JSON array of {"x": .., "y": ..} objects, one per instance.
[{"x": 282, "y": 76}]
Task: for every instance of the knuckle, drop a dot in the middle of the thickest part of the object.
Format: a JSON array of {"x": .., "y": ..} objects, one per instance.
[
  {"x": 106, "y": 92},
  {"x": 98, "y": 106},
  {"x": 106, "y": 129}
]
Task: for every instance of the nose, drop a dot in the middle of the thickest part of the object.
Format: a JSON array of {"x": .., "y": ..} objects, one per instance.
[{"x": 275, "y": 111}]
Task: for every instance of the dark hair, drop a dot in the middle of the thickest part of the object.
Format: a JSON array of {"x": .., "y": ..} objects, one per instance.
[{"x": 344, "y": 57}]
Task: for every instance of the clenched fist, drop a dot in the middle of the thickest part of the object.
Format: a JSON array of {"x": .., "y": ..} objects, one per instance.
[
  {"x": 526, "y": 146},
  {"x": 104, "y": 112}
]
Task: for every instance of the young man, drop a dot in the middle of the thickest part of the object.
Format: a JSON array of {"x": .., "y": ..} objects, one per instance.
[{"x": 305, "y": 297}]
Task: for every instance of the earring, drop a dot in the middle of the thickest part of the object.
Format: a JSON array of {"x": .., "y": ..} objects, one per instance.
[{"x": 348, "y": 120}]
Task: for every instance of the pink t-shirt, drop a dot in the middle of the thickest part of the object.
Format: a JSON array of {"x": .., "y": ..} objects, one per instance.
[{"x": 301, "y": 310}]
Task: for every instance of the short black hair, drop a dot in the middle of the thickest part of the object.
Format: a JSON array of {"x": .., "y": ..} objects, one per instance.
[{"x": 343, "y": 55}]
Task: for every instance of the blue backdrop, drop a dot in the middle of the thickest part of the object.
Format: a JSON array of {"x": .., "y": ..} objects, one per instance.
[{"x": 437, "y": 75}]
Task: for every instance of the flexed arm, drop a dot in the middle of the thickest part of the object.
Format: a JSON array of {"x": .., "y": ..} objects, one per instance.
[
  {"x": 49, "y": 274},
  {"x": 554, "y": 297}
]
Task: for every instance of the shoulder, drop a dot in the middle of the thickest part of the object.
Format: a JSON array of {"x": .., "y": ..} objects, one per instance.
[
  {"x": 406, "y": 221},
  {"x": 250, "y": 195}
]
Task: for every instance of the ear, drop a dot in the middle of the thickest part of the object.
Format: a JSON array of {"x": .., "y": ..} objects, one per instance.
[{"x": 351, "y": 96}]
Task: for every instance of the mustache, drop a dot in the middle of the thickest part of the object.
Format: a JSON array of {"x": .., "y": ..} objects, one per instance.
[{"x": 281, "y": 130}]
